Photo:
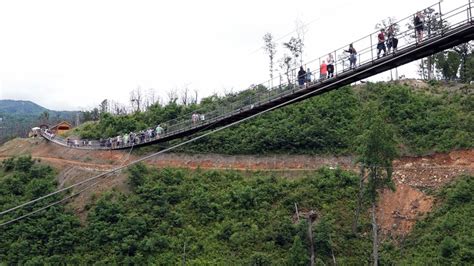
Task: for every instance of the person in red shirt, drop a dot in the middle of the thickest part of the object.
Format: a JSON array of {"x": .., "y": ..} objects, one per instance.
[
  {"x": 323, "y": 70},
  {"x": 381, "y": 44}
]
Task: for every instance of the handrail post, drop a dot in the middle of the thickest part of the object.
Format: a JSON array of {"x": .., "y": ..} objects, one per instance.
[
  {"x": 371, "y": 48},
  {"x": 470, "y": 11},
  {"x": 335, "y": 62},
  {"x": 441, "y": 18},
  {"x": 280, "y": 82},
  {"x": 319, "y": 67}
]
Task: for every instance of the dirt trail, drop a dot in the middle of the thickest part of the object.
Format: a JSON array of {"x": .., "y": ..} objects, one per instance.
[{"x": 397, "y": 210}]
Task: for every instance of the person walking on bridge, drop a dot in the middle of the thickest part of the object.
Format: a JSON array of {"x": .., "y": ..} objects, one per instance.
[
  {"x": 392, "y": 41},
  {"x": 381, "y": 43},
  {"x": 418, "y": 21},
  {"x": 159, "y": 131},
  {"x": 301, "y": 76},
  {"x": 125, "y": 139},
  {"x": 352, "y": 56},
  {"x": 330, "y": 60},
  {"x": 323, "y": 70},
  {"x": 308, "y": 75}
]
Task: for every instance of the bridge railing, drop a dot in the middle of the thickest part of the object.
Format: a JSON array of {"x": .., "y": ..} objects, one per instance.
[{"x": 437, "y": 22}]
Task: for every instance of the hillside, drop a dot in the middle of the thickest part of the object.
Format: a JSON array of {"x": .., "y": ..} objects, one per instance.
[
  {"x": 223, "y": 216},
  {"x": 17, "y": 117},
  {"x": 231, "y": 198}
]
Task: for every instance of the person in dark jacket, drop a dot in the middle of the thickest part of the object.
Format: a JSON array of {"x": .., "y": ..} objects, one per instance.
[
  {"x": 301, "y": 76},
  {"x": 381, "y": 43},
  {"x": 392, "y": 41},
  {"x": 352, "y": 56},
  {"x": 418, "y": 21}
]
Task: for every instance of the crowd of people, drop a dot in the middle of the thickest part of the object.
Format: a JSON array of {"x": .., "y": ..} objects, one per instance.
[
  {"x": 196, "y": 117},
  {"x": 387, "y": 43},
  {"x": 119, "y": 141},
  {"x": 130, "y": 139},
  {"x": 133, "y": 138}
]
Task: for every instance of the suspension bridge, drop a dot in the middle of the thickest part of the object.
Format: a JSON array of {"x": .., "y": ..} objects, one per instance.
[{"x": 444, "y": 30}]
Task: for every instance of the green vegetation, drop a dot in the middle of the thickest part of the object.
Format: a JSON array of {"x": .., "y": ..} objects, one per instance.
[
  {"x": 219, "y": 217},
  {"x": 425, "y": 121},
  {"x": 46, "y": 237}
]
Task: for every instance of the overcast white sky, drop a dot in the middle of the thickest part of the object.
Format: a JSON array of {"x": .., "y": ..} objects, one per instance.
[{"x": 69, "y": 55}]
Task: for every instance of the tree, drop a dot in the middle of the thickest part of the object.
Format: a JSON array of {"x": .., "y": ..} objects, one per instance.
[
  {"x": 386, "y": 23},
  {"x": 150, "y": 98},
  {"x": 44, "y": 117},
  {"x": 295, "y": 46},
  {"x": 468, "y": 74},
  {"x": 360, "y": 198},
  {"x": 117, "y": 108},
  {"x": 300, "y": 29},
  {"x": 172, "y": 95},
  {"x": 285, "y": 65},
  {"x": 464, "y": 50},
  {"x": 136, "y": 99},
  {"x": 434, "y": 25},
  {"x": 376, "y": 152},
  {"x": 270, "y": 49},
  {"x": 186, "y": 98},
  {"x": 137, "y": 175},
  {"x": 194, "y": 100},
  {"x": 448, "y": 63},
  {"x": 95, "y": 114},
  {"x": 298, "y": 253},
  {"x": 104, "y": 106}
]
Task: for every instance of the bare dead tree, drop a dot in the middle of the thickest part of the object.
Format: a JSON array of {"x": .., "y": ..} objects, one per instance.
[
  {"x": 195, "y": 98},
  {"x": 118, "y": 108},
  {"x": 172, "y": 95},
  {"x": 301, "y": 29},
  {"x": 311, "y": 218},
  {"x": 184, "y": 98},
  {"x": 150, "y": 98},
  {"x": 359, "y": 199},
  {"x": 104, "y": 106},
  {"x": 136, "y": 99},
  {"x": 270, "y": 49}
]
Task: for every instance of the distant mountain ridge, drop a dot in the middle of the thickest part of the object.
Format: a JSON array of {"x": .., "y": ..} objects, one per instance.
[{"x": 18, "y": 107}]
